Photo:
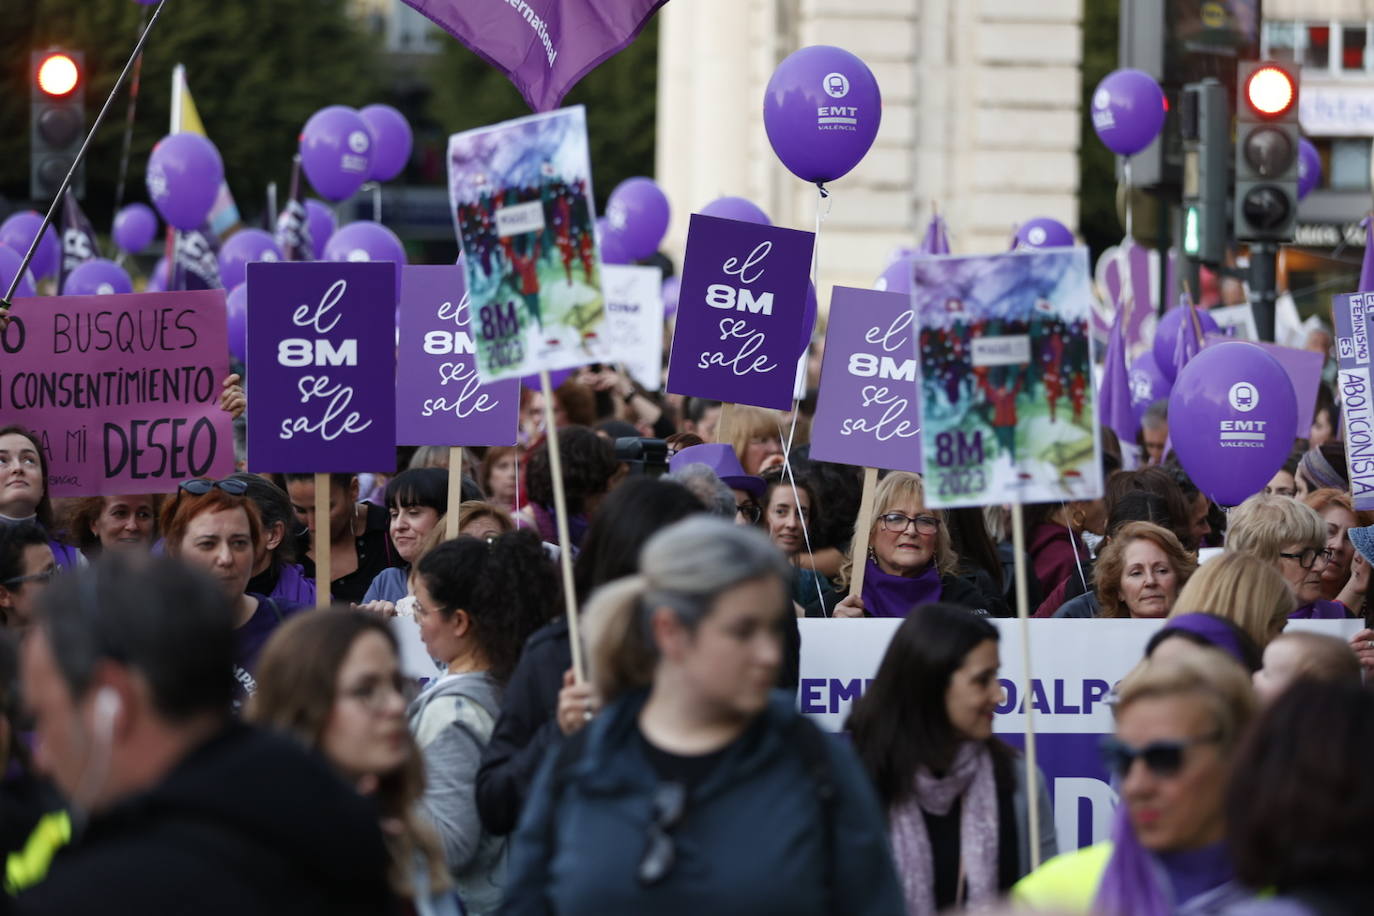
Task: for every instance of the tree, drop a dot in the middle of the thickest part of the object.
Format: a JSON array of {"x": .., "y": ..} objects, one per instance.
[{"x": 257, "y": 70}]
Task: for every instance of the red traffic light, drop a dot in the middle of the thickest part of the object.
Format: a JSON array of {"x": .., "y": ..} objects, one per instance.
[
  {"x": 1270, "y": 91},
  {"x": 58, "y": 74}
]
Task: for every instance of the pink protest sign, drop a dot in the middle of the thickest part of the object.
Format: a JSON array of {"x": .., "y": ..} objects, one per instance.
[{"x": 122, "y": 391}]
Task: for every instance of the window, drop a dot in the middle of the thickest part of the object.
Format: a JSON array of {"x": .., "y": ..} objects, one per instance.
[
  {"x": 1317, "y": 53},
  {"x": 1281, "y": 41},
  {"x": 1354, "y": 42},
  {"x": 1350, "y": 164}
]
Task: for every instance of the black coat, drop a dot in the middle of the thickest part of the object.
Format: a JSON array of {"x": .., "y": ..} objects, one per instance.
[{"x": 249, "y": 823}]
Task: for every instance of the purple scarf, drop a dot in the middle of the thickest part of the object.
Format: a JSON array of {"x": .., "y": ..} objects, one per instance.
[
  {"x": 887, "y": 595},
  {"x": 1320, "y": 610},
  {"x": 970, "y": 778}
]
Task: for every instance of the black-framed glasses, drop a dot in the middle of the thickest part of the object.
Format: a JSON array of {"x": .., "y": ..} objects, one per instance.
[
  {"x": 750, "y": 511},
  {"x": 660, "y": 853},
  {"x": 199, "y": 486},
  {"x": 45, "y": 577},
  {"x": 1308, "y": 558},
  {"x": 896, "y": 522},
  {"x": 1162, "y": 758}
]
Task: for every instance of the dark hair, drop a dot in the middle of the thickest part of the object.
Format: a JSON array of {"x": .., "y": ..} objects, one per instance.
[
  {"x": 588, "y": 466},
  {"x": 1155, "y": 479},
  {"x": 630, "y": 515},
  {"x": 968, "y": 535},
  {"x": 44, "y": 510},
  {"x": 1299, "y": 802},
  {"x": 1326, "y": 401},
  {"x": 342, "y": 481},
  {"x": 900, "y": 723},
  {"x": 694, "y": 409},
  {"x": 273, "y": 506},
  {"x": 14, "y": 748},
  {"x": 1138, "y": 506},
  {"x": 13, "y": 541},
  {"x": 426, "y": 487},
  {"x": 84, "y": 512},
  {"x": 776, "y": 478},
  {"x": 1250, "y": 655},
  {"x": 838, "y": 487},
  {"x": 170, "y": 623},
  {"x": 508, "y": 587}
]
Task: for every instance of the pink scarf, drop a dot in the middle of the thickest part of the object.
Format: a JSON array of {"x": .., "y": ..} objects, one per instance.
[{"x": 970, "y": 777}]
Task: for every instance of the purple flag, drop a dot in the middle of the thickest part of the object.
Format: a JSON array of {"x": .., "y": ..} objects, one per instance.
[
  {"x": 197, "y": 260},
  {"x": 439, "y": 398},
  {"x": 740, "y": 312},
  {"x": 1189, "y": 340},
  {"x": 1367, "y": 268},
  {"x": 321, "y": 344},
  {"x": 543, "y": 46},
  {"x": 868, "y": 409},
  {"x": 1114, "y": 397},
  {"x": 78, "y": 238},
  {"x": 293, "y": 225},
  {"x": 936, "y": 240}
]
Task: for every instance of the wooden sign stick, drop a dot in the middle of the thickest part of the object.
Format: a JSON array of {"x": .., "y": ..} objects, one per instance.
[
  {"x": 455, "y": 491},
  {"x": 1018, "y": 541},
  {"x": 560, "y": 514},
  {"x": 322, "y": 546},
  {"x": 861, "y": 532}
]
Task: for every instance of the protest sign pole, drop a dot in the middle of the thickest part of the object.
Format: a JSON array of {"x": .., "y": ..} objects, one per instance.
[
  {"x": 560, "y": 514},
  {"x": 1018, "y": 542},
  {"x": 455, "y": 491},
  {"x": 323, "y": 576},
  {"x": 861, "y": 532}
]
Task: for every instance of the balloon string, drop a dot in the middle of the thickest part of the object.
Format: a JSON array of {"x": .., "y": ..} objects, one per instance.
[{"x": 1126, "y": 172}]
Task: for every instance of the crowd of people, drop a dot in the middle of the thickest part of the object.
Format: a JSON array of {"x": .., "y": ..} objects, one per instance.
[{"x": 181, "y": 731}]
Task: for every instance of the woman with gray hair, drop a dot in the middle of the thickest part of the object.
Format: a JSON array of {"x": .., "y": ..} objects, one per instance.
[
  {"x": 698, "y": 784},
  {"x": 1292, "y": 536}
]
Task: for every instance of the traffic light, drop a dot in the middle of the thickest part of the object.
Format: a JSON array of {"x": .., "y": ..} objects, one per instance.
[
  {"x": 1205, "y": 121},
  {"x": 1266, "y": 208},
  {"x": 58, "y": 122}
]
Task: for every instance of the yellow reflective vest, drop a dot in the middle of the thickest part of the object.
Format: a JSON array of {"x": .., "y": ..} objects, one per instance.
[{"x": 1067, "y": 883}]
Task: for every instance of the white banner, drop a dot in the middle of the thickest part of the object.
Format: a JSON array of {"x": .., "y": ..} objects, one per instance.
[{"x": 634, "y": 321}]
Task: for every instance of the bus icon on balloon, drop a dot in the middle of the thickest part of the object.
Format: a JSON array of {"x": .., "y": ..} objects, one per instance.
[
  {"x": 1244, "y": 397},
  {"x": 836, "y": 85}
]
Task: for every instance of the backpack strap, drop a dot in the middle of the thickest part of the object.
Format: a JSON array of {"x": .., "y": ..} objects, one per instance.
[
  {"x": 810, "y": 744},
  {"x": 274, "y": 608}
]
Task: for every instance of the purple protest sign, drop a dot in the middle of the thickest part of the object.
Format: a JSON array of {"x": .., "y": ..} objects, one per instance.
[
  {"x": 543, "y": 46},
  {"x": 740, "y": 312},
  {"x": 322, "y": 366},
  {"x": 121, "y": 390},
  {"x": 868, "y": 408},
  {"x": 439, "y": 398}
]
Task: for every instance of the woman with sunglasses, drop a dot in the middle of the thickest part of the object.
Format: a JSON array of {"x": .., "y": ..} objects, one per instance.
[
  {"x": 956, "y": 797},
  {"x": 213, "y": 525},
  {"x": 1178, "y": 723},
  {"x": 697, "y": 788},
  {"x": 1292, "y": 536},
  {"x": 331, "y": 679},
  {"x": 476, "y": 603},
  {"x": 910, "y": 561}
]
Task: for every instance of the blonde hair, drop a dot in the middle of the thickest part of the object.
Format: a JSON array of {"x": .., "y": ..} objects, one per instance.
[
  {"x": 468, "y": 511},
  {"x": 1242, "y": 588},
  {"x": 684, "y": 568},
  {"x": 1263, "y": 525},
  {"x": 747, "y": 422},
  {"x": 1210, "y": 675},
  {"x": 1323, "y": 657},
  {"x": 1112, "y": 562},
  {"x": 898, "y": 487}
]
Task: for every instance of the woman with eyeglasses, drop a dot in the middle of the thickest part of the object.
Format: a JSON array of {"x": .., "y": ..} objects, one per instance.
[
  {"x": 698, "y": 789},
  {"x": 476, "y": 603},
  {"x": 787, "y": 529},
  {"x": 910, "y": 561},
  {"x": 332, "y": 680},
  {"x": 26, "y": 568},
  {"x": 956, "y": 797},
  {"x": 416, "y": 500},
  {"x": 1292, "y": 536},
  {"x": 213, "y": 525},
  {"x": 24, "y": 490},
  {"x": 1178, "y": 723},
  {"x": 1343, "y": 580}
]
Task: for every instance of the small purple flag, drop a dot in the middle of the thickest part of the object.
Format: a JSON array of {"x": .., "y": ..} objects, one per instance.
[
  {"x": 543, "y": 46},
  {"x": 1114, "y": 397},
  {"x": 936, "y": 240},
  {"x": 1367, "y": 268},
  {"x": 197, "y": 260},
  {"x": 293, "y": 225},
  {"x": 1189, "y": 340},
  {"x": 78, "y": 238}
]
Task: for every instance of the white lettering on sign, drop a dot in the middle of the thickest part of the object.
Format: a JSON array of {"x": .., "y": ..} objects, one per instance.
[
  {"x": 743, "y": 362},
  {"x": 520, "y": 218},
  {"x": 1003, "y": 350}
]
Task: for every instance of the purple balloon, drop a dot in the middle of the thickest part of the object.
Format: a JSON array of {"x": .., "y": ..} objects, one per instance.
[
  {"x": 821, "y": 110},
  {"x": 135, "y": 227},
  {"x": 1232, "y": 415},
  {"x": 612, "y": 246},
  {"x": 336, "y": 152},
  {"x": 365, "y": 240},
  {"x": 322, "y": 225},
  {"x": 236, "y": 308},
  {"x": 239, "y": 249},
  {"x": 158, "y": 279},
  {"x": 18, "y": 231},
  {"x": 97, "y": 277},
  {"x": 1309, "y": 167},
  {"x": 556, "y": 378},
  {"x": 672, "y": 287},
  {"x": 745, "y": 211},
  {"x": 184, "y": 175},
  {"x": 9, "y": 266},
  {"x": 391, "y": 141},
  {"x": 1042, "y": 232},
  {"x": 1147, "y": 383},
  {"x": 637, "y": 213},
  {"x": 1128, "y": 110},
  {"x": 896, "y": 278},
  {"x": 1166, "y": 337}
]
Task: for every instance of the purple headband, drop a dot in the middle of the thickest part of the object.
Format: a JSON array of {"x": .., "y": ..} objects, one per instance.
[
  {"x": 1317, "y": 469},
  {"x": 1215, "y": 630}
]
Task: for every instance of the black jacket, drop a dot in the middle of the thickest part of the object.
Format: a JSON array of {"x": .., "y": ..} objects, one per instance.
[
  {"x": 958, "y": 590},
  {"x": 249, "y": 823}
]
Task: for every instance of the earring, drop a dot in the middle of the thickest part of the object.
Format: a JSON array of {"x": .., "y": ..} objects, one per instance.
[
  {"x": 871, "y": 555},
  {"x": 1077, "y": 518}
]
